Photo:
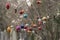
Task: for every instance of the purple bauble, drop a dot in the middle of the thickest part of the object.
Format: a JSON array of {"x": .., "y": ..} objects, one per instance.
[{"x": 17, "y": 28}]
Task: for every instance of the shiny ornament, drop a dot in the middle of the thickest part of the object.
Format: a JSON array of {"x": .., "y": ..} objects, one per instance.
[
  {"x": 44, "y": 18},
  {"x": 25, "y": 15},
  {"x": 38, "y": 2},
  {"x": 34, "y": 25},
  {"x": 33, "y": 31},
  {"x": 22, "y": 26},
  {"x": 44, "y": 22},
  {"x": 48, "y": 17},
  {"x": 17, "y": 28},
  {"x": 28, "y": 3},
  {"x": 21, "y": 11},
  {"x": 24, "y": 29},
  {"x": 8, "y": 29},
  {"x": 26, "y": 25},
  {"x": 39, "y": 20},
  {"x": 39, "y": 28},
  {"x": 7, "y": 5},
  {"x": 13, "y": 21},
  {"x": 30, "y": 29}
]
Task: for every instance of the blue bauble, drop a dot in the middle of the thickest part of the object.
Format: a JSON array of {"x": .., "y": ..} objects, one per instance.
[
  {"x": 22, "y": 26},
  {"x": 25, "y": 15}
]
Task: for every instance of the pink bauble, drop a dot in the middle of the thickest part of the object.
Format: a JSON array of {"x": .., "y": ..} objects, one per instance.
[
  {"x": 17, "y": 28},
  {"x": 7, "y": 5},
  {"x": 39, "y": 28}
]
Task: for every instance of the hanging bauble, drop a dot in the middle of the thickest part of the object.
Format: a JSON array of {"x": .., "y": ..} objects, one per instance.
[
  {"x": 22, "y": 26},
  {"x": 38, "y": 2},
  {"x": 39, "y": 20},
  {"x": 44, "y": 22},
  {"x": 48, "y": 17},
  {"x": 8, "y": 29},
  {"x": 34, "y": 25},
  {"x": 17, "y": 28},
  {"x": 44, "y": 18},
  {"x": 26, "y": 25},
  {"x": 7, "y": 5},
  {"x": 30, "y": 29},
  {"x": 25, "y": 15},
  {"x": 33, "y": 31},
  {"x": 39, "y": 28},
  {"x": 28, "y": 3},
  {"x": 21, "y": 11}
]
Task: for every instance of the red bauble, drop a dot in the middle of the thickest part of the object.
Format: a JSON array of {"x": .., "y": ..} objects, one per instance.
[
  {"x": 21, "y": 11},
  {"x": 7, "y": 5},
  {"x": 30, "y": 29},
  {"x": 25, "y": 27},
  {"x": 39, "y": 28},
  {"x": 38, "y": 2}
]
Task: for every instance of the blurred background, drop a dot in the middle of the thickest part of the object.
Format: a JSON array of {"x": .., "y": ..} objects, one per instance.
[{"x": 34, "y": 8}]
